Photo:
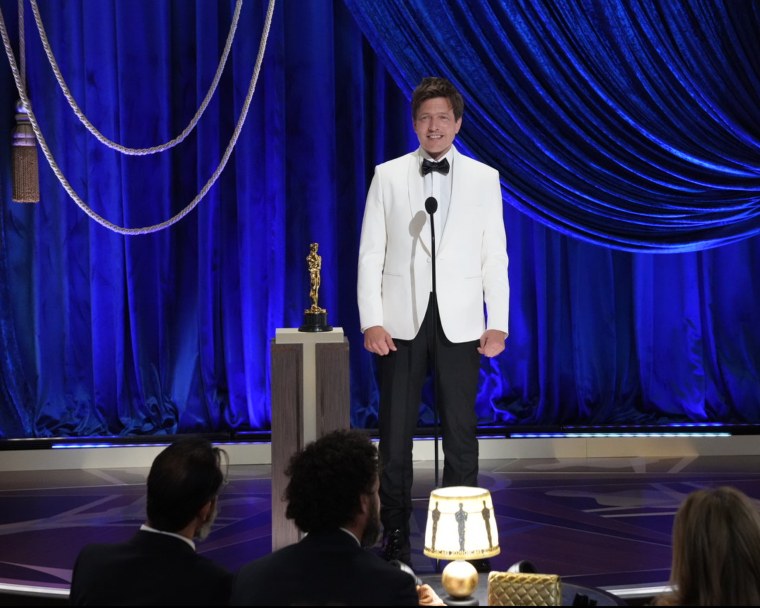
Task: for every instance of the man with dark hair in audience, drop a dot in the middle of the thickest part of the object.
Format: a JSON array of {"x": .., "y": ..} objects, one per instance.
[
  {"x": 332, "y": 496},
  {"x": 159, "y": 564}
]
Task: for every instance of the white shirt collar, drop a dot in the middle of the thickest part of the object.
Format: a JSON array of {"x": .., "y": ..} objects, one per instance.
[
  {"x": 424, "y": 155},
  {"x": 147, "y": 528},
  {"x": 352, "y": 535}
]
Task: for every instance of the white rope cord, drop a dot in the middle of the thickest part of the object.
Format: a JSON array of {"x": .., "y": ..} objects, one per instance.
[
  {"x": 92, "y": 129},
  {"x": 225, "y": 157},
  {"x": 21, "y": 43}
]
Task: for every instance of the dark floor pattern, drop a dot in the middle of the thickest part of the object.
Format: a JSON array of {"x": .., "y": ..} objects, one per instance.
[{"x": 601, "y": 522}]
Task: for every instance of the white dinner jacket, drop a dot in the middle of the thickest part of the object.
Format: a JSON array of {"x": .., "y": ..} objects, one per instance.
[{"x": 395, "y": 264}]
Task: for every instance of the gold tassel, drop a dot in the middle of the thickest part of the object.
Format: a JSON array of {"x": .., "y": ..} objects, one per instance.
[{"x": 26, "y": 178}]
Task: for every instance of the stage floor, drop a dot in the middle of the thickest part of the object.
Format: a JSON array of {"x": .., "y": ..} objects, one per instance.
[{"x": 603, "y": 522}]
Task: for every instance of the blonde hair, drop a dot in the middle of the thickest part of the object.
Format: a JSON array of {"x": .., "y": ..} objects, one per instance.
[{"x": 716, "y": 550}]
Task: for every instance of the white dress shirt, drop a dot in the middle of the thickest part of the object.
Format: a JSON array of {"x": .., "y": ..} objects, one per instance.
[{"x": 439, "y": 187}]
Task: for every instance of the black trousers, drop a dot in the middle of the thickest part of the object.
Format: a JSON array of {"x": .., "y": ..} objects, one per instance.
[{"x": 402, "y": 375}]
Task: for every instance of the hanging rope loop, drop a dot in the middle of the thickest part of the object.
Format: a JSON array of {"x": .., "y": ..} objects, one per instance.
[
  {"x": 102, "y": 138},
  {"x": 214, "y": 177}
]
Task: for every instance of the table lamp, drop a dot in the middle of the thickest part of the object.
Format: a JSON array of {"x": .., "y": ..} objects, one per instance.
[{"x": 460, "y": 526}]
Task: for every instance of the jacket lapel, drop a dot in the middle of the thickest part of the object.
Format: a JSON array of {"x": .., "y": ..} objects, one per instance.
[
  {"x": 418, "y": 216},
  {"x": 458, "y": 196}
]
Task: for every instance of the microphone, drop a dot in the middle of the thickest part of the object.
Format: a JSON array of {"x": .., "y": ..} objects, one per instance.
[{"x": 431, "y": 206}]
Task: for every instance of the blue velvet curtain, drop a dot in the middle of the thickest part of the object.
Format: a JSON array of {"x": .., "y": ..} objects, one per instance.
[
  {"x": 169, "y": 332},
  {"x": 627, "y": 124},
  {"x": 623, "y": 129},
  {"x": 626, "y": 134}
]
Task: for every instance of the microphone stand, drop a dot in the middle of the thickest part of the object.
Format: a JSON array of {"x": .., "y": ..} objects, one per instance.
[{"x": 431, "y": 206}]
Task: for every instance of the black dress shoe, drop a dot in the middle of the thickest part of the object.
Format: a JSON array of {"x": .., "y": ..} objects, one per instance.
[
  {"x": 396, "y": 547},
  {"x": 481, "y": 565}
]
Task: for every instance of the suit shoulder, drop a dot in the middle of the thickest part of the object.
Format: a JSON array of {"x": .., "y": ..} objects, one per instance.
[
  {"x": 266, "y": 564},
  {"x": 395, "y": 164},
  {"x": 206, "y": 564},
  {"x": 96, "y": 552},
  {"x": 474, "y": 165},
  {"x": 374, "y": 562},
  {"x": 387, "y": 583}
]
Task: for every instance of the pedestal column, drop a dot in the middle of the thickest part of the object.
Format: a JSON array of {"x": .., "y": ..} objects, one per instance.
[{"x": 310, "y": 397}]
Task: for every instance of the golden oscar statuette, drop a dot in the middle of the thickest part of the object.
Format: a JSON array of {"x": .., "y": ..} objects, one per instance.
[{"x": 315, "y": 317}]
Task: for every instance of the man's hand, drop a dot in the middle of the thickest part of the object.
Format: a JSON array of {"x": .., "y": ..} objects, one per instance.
[
  {"x": 378, "y": 341},
  {"x": 428, "y": 597},
  {"x": 491, "y": 342}
]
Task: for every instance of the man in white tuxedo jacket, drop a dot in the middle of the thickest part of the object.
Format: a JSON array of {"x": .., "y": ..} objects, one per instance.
[{"x": 408, "y": 326}]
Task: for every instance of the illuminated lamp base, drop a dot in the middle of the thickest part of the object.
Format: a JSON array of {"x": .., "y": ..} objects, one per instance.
[{"x": 460, "y": 579}]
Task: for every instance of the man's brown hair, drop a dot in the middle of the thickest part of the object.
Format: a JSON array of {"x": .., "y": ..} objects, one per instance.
[{"x": 432, "y": 87}]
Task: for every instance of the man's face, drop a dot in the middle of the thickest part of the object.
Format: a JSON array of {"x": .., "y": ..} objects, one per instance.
[
  {"x": 371, "y": 533},
  {"x": 436, "y": 126}
]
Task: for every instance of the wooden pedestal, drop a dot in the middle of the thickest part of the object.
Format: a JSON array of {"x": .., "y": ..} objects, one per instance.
[{"x": 310, "y": 397}]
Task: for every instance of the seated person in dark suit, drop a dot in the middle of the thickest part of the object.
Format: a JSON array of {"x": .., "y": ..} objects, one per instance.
[
  {"x": 159, "y": 564},
  {"x": 332, "y": 496}
]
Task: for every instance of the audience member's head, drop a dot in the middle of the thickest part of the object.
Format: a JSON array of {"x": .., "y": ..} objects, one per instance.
[
  {"x": 716, "y": 550},
  {"x": 183, "y": 485},
  {"x": 333, "y": 484}
]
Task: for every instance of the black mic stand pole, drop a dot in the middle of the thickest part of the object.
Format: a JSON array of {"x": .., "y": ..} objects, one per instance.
[{"x": 431, "y": 206}]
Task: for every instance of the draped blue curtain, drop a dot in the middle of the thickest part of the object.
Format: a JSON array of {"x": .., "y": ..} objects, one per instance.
[
  {"x": 626, "y": 135},
  {"x": 628, "y": 124},
  {"x": 622, "y": 129},
  {"x": 169, "y": 332}
]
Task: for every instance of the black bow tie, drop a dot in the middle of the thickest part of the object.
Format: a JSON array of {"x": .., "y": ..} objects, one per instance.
[{"x": 441, "y": 166}]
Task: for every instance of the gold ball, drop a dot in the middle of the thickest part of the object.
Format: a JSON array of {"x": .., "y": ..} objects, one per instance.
[{"x": 459, "y": 579}]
